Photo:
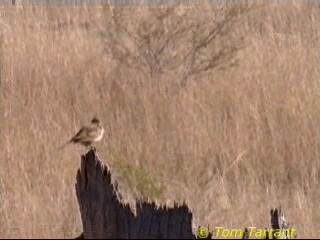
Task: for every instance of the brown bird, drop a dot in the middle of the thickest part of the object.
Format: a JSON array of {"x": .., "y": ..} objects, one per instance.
[{"x": 89, "y": 134}]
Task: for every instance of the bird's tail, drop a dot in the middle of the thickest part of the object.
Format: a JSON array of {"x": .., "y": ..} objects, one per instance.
[{"x": 64, "y": 145}]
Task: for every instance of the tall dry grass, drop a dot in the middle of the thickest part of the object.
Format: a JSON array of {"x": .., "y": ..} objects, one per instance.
[{"x": 233, "y": 141}]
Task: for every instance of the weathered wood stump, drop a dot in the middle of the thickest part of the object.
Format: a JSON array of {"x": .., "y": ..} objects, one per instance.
[
  {"x": 105, "y": 216},
  {"x": 279, "y": 227}
]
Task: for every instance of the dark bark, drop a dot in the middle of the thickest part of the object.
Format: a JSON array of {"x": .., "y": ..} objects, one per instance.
[{"x": 105, "y": 216}]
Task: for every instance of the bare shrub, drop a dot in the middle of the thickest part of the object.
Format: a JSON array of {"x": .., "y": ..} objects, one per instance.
[{"x": 174, "y": 40}]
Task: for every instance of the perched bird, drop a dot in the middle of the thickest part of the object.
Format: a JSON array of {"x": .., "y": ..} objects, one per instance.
[{"x": 88, "y": 135}]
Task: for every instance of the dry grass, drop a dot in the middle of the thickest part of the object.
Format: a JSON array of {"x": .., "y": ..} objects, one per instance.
[{"x": 233, "y": 141}]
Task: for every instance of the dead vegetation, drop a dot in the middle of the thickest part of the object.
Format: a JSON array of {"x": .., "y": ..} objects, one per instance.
[
  {"x": 105, "y": 215},
  {"x": 233, "y": 136}
]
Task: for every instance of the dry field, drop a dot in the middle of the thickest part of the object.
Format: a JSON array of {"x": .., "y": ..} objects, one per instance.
[{"x": 215, "y": 106}]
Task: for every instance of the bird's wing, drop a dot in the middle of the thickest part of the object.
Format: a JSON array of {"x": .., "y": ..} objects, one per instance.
[
  {"x": 86, "y": 133},
  {"x": 79, "y": 135}
]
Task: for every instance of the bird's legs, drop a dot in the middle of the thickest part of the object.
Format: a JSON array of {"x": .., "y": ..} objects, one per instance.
[{"x": 90, "y": 147}]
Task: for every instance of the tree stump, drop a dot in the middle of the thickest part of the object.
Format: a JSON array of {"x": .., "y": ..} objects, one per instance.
[
  {"x": 280, "y": 225},
  {"x": 105, "y": 216}
]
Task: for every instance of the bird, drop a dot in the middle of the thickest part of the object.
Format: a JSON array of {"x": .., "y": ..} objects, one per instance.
[{"x": 88, "y": 135}]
